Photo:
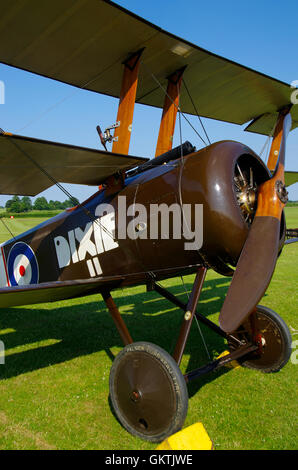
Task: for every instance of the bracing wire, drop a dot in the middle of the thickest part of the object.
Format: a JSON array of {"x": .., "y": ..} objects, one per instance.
[
  {"x": 59, "y": 186},
  {"x": 177, "y": 107},
  {"x": 67, "y": 193},
  {"x": 80, "y": 87},
  {"x": 266, "y": 146},
  {"x": 198, "y": 325},
  {"x": 180, "y": 126},
  {"x": 196, "y": 111},
  {"x": 7, "y": 228}
]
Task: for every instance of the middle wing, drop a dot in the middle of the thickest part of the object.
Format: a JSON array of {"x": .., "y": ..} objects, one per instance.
[{"x": 29, "y": 166}]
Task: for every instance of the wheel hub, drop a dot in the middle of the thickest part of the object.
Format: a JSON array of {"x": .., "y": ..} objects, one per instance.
[
  {"x": 273, "y": 340},
  {"x": 135, "y": 396},
  {"x": 148, "y": 391}
]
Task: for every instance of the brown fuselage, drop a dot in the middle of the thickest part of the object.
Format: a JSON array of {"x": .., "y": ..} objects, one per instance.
[{"x": 77, "y": 246}]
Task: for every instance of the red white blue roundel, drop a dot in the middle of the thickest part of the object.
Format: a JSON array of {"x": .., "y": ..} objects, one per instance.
[{"x": 22, "y": 265}]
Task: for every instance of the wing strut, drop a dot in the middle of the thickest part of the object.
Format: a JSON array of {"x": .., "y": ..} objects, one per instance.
[
  {"x": 127, "y": 103},
  {"x": 170, "y": 108}
]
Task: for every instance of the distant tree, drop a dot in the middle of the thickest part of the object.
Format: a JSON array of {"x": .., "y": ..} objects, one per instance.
[
  {"x": 14, "y": 204},
  {"x": 52, "y": 205},
  {"x": 41, "y": 204},
  {"x": 26, "y": 204},
  {"x": 58, "y": 205},
  {"x": 70, "y": 203},
  {"x": 8, "y": 204}
]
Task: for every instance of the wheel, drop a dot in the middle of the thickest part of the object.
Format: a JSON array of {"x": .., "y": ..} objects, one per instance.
[
  {"x": 148, "y": 391},
  {"x": 272, "y": 336}
]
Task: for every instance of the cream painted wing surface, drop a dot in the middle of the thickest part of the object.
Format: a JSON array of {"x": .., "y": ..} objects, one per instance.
[
  {"x": 29, "y": 166},
  {"x": 84, "y": 43}
]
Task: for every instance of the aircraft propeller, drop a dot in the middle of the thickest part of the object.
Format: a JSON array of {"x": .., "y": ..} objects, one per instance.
[{"x": 258, "y": 258}]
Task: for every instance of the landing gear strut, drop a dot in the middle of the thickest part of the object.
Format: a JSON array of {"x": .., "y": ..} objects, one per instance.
[{"x": 147, "y": 389}]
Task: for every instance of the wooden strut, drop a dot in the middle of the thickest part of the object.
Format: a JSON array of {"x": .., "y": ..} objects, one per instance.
[
  {"x": 190, "y": 311},
  {"x": 118, "y": 320},
  {"x": 189, "y": 314},
  {"x": 186, "y": 324},
  {"x": 170, "y": 108},
  {"x": 126, "y": 103},
  {"x": 269, "y": 204},
  {"x": 240, "y": 352},
  {"x": 276, "y": 141},
  {"x": 172, "y": 298},
  {"x": 122, "y": 134}
]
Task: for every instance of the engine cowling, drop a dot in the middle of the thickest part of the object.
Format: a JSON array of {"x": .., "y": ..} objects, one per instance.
[{"x": 224, "y": 177}]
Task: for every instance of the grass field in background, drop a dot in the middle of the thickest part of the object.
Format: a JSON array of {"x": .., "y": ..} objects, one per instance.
[{"x": 54, "y": 392}]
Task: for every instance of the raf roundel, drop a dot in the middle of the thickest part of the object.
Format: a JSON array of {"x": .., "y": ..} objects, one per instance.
[{"x": 22, "y": 265}]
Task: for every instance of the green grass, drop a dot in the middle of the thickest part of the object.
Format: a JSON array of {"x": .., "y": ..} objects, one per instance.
[
  {"x": 291, "y": 216},
  {"x": 54, "y": 388},
  {"x": 17, "y": 226},
  {"x": 31, "y": 214}
]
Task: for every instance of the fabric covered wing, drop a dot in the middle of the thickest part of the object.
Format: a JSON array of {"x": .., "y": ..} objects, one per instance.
[
  {"x": 53, "y": 291},
  {"x": 291, "y": 177},
  {"x": 84, "y": 43},
  {"x": 29, "y": 166}
]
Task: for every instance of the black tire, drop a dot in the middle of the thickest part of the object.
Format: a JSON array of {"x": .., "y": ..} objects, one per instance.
[
  {"x": 275, "y": 341},
  {"x": 148, "y": 392}
]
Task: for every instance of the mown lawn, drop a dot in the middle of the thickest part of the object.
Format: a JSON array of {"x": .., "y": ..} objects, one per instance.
[{"x": 54, "y": 390}]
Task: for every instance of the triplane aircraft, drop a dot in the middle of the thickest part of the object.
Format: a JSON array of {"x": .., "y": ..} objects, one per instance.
[{"x": 92, "y": 45}]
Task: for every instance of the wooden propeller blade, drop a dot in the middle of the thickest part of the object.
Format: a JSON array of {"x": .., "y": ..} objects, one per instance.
[
  {"x": 257, "y": 261},
  {"x": 253, "y": 274}
]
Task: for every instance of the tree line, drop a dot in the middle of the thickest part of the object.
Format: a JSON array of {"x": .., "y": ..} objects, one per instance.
[{"x": 25, "y": 204}]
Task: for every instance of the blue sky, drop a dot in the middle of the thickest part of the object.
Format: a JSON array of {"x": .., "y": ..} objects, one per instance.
[{"x": 260, "y": 34}]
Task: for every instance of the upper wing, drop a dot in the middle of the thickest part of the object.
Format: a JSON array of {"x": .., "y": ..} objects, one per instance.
[
  {"x": 29, "y": 166},
  {"x": 84, "y": 43}
]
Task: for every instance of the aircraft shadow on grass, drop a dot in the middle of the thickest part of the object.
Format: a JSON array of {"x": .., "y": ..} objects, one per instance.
[{"x": 87, "y": 328}]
